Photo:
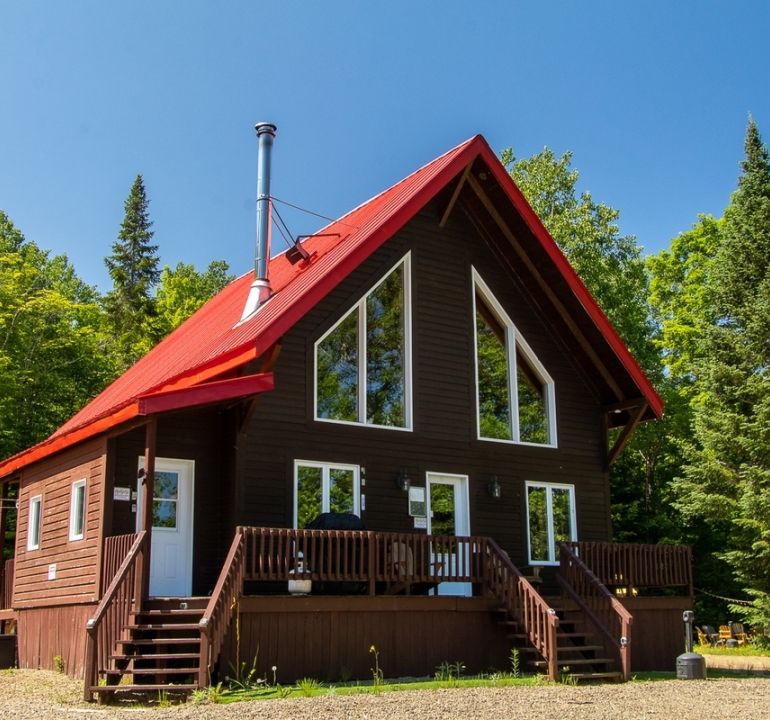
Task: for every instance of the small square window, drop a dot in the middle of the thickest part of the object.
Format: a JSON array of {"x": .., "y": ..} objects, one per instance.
[
  {"x": 33, "y": 527},
  {"x": 78, "y": 510}
]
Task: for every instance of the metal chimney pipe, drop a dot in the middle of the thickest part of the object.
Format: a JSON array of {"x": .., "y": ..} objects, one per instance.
[{"x": 260, "y": 289}]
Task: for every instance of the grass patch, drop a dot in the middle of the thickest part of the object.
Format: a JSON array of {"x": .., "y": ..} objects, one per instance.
[
  {"x": 747, "y": 650},
  {"x": 303, "y": 688}
]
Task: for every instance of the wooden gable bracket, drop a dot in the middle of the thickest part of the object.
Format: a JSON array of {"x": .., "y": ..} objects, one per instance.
[
  {"x": 625, "y": 434},
  {"x": 545, "y": 287},
  {"x": 455, "y": 195},
  {"x": 271, "y": 358}
]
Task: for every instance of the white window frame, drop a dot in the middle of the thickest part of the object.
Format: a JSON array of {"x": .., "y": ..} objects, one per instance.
[
  {"x": 549, "y": 488},
  {"x": 326, "y": 467},
  {"x": 35, "y": 522},
  {"x": 361, "y": 307},
  {"x": 76, "y": 534},
  {"x": 513, "y": 340}
]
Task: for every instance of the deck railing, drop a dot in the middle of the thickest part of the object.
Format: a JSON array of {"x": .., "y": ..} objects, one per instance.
[
  {"x": 216, "y": 618},
  {"x": 115, "y": 550},
  {"x": 632, "y": 565},
  {"x": 401, "y": 561},
  {"x": 598, "y": 604},
  {"x": 122, "y": 597},
  {"x": 6, "y": 585},
  {"x": 517, "y": 595},
  {"x": 357, "y": 556}
]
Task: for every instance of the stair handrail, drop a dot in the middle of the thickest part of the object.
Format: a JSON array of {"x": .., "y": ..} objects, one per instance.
[
  {"x": 113, "y": 612},
  {"x": 585, "y": 589},
  {"x": 522, "y": 601},
  {"x": 217, "y": 616}
]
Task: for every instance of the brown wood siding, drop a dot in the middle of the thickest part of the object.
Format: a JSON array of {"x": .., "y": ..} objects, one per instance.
[
  {"x": 657, "y": 633},
  {"x": 444, "y": 436},
  {"x": 77, "y": 561},
  {"x": 329, "y": 638},
  {"x": 195, "y": 435},
  {"x": 49, "y": 632}
]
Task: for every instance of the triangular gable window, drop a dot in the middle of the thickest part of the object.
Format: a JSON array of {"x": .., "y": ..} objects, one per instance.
[
  {"x": 362, "y": 365},
  {"x": 515, "y": 395}
]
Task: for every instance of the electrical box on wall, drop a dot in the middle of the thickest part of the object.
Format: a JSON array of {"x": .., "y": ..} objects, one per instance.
[{"x": 52, "y": 571}]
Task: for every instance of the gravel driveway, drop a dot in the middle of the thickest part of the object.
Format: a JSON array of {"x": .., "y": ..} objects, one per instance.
[{"x": 40, "y": 695}]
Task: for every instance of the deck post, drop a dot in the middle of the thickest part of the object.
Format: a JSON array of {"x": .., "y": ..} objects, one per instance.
[{"x": 151, "y": 435}]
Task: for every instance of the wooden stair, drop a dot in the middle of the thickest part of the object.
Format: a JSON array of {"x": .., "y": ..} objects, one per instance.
[
  {"x": 160, "y": 652},
  {"x": 581, "y": 656}
]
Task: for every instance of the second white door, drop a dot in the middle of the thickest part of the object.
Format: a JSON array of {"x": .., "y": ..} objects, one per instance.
[
  {"x": 449, "y": 514},
  {"x": 172, "y": 526}
]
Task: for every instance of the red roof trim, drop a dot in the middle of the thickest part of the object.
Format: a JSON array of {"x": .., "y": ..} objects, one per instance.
[
  {"x": 206, "y": 394},
  {"x": 573, "y": 280},
  {"x": 375, "y": 222},
  {"x": 60, "y": 442}
]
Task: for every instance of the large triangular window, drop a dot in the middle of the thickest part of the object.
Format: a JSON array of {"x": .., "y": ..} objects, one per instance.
[
  {"x": 362, "y": 365},
  {"x": 515, "y": 394}
]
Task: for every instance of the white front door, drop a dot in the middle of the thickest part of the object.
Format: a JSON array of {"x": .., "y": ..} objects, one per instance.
[
  {"x": 448, "y": 514},
  {"x": 172, "y": 526}
]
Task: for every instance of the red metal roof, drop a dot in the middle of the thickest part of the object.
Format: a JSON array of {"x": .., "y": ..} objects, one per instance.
[{"x": 213, "y": 341}]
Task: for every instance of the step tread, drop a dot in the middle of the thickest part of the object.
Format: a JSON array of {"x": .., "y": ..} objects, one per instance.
[
  {"x": 161, "y": 641},
  {"x": 168, "y": 687},
  {"x": 152, "y": 671},
  {"x": 163, "y": 626},
  {"x": 577, "y": 661},
  {"x": 155, "y": 656}
]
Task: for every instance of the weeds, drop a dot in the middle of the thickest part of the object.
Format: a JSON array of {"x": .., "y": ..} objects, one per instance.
[
  {"x": 515, "y": 662},
  {"x": 449, "y": 671},
  {"x": 244, "y": 677},
  {"x": 58, "y": 663},
  {"x": 377, "y": 674},
  {"x": 308, "y": 686}
]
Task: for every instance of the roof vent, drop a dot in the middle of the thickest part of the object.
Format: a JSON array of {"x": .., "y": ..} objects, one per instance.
[{"x": 260, "y": 289}]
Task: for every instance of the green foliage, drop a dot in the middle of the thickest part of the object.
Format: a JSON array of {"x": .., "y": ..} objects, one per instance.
[
  {"x": 448, "y": 671},
  {"x": 610, "y": 264},
  {"x": 180, "y": 292},
  {"x": 133, "y": 268},
  {"x": 308, "y": 686},
  {"x": 726, "y": 478},
  {"x": 55, "y": 348},
  {"x": 515, "y": 658}
]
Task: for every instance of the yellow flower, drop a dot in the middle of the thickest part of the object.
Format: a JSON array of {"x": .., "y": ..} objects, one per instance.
[{"x": 372, "y": 649}]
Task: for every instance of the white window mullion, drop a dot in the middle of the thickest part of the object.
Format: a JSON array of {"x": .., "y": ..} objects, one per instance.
[
  {"x": 325, "y": 487},
  {"x": 513, "y": 386},
  {"x": 407, "y": 309},
  {"x": 549, "y": 514},
  {"x": 362, "y": 375}
]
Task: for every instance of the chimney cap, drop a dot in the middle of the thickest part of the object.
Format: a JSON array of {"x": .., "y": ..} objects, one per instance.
[{"x": 265, "y": 127}]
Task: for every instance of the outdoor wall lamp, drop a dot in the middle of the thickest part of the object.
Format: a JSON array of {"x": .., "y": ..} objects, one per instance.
[
  {"x": 493, "y": 488},
  {"x": 402, "y": 480}
]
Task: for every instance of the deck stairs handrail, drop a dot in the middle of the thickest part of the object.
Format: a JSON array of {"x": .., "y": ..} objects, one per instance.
[
  {"x": 599, "y": 606},
  {"x": 104, "y": 628},
  {"x": 218, "y": 614},
  {"x": 523, "y": 603}
]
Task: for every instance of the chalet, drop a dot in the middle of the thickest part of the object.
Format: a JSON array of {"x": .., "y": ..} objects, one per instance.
[{"x": 397, "y": 433}]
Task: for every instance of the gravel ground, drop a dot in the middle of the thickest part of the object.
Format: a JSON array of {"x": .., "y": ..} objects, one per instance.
[{"x": 40, "y": 695}]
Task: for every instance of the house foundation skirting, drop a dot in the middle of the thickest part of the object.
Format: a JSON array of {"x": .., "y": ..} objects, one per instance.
[
  {"x": 57, "y": 631},
  {"x": 329, "y": 638},
  {"x": 657, "y": 631}
]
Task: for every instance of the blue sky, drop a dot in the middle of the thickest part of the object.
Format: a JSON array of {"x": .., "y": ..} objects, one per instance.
[{"x": 652, "y": 98}]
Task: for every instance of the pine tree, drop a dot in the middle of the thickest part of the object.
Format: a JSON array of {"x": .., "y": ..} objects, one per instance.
[
  {"x": 727, "y": 475},
  {"x": 134, "y": 269}
]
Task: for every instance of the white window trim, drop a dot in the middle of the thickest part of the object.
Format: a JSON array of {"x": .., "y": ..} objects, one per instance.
[
  {"x": 361, "y": 307},
  {"x": 325, "y": 494},
  {"x": 35, "y": 522},
  {"x": 549, "y": 487},
  {"x": 74, "y": 534},
  {"x": 513, "y": 339}
]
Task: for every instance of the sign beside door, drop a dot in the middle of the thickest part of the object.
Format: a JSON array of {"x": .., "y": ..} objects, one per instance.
[
  {"x": 449, "y": 514},
  {"x": 172, "y": 526}
]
